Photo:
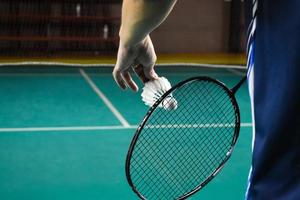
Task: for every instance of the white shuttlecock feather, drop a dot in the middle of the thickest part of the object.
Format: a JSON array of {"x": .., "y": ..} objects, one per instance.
[{"x": 153, "y": 90}]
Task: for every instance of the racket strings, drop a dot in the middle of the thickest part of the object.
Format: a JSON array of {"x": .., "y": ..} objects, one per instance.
[{"x": 179, "y": 149}]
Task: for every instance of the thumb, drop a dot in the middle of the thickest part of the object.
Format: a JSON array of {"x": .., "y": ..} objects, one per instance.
[{"x": 150, "y": 72}]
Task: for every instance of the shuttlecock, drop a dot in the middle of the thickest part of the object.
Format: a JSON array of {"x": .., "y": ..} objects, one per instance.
[{"x": 154, "y": 89}]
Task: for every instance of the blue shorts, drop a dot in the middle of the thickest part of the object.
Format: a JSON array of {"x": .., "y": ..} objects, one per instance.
[{"x": 274, "y": 85}]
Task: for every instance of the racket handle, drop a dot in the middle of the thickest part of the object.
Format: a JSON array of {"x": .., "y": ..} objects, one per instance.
[{"x": 140, "y": 73}]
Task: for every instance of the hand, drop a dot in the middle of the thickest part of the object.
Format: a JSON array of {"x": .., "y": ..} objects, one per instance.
[{"x": 141, "y": 54}]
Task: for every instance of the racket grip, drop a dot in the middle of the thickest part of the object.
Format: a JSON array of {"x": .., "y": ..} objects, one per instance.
[{"x": 140, "y": 73}]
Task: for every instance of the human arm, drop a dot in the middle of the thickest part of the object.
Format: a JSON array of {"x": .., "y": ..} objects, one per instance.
[{"x": 139, "y": 18}]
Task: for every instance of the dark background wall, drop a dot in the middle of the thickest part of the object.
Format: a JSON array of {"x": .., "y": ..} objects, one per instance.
[
  {"x": 57, "y": 27},
  {"x": 195, "y": 26}
]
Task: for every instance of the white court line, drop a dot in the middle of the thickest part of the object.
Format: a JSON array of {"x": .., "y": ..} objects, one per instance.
[
  {"x": 202, "y": 65},
  {"x": 112, "y": 65},
  {"x": 85, "y": 128},
  {"x": 108, "y": 74},
  {"x": 212, "y": 125},
  {"x": 66, "y": 128},
  {"x": 234, "y": 71},
  {"x": 230, "y": 68},
  {"x": 47, "y": 64},
  {"x": 104, "y": 99}
]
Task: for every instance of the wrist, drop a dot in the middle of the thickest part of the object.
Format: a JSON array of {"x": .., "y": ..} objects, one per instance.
[
  {"x": 129, "y": 39},
  {"x": 129, "y": 43}
]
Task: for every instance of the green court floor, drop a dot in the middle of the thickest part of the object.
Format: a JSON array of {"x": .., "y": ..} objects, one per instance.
[{"x": 65, "y": 132}]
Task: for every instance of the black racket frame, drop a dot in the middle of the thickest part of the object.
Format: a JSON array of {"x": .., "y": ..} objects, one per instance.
[{"x": 231, "y": 94}]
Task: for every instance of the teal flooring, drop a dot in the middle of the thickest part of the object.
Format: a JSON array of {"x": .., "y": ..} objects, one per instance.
[{"x": 89, "y": 164}]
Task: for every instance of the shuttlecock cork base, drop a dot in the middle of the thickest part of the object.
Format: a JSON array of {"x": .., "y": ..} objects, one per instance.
[{"x": 169, "y": 103}]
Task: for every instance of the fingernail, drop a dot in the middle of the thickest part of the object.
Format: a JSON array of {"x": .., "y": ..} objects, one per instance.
[{"x": 135, "y": 88}]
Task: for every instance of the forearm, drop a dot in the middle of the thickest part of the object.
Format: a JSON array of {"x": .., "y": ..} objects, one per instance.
[{"x": 140, "y": 17}]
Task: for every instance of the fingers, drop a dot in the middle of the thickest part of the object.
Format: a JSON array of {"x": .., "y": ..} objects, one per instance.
[
  {"x": 129, "y": 82},
  {"x": 121, "y": 74},
  {"x": 150, "y": 73},
  {"x": 140, "y": 73},
  {"x": 124, "y": 80},
  {"x": 142, "y": 53},
  {"x": 147, "y": 58},
  {"x": 118, "y": 78}
]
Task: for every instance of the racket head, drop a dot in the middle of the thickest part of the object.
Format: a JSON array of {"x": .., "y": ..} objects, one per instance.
[{"x": 130, "y": 159}]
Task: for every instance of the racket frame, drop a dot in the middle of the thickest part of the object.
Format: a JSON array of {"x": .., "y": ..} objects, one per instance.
[{"x": 230, "y": 93}]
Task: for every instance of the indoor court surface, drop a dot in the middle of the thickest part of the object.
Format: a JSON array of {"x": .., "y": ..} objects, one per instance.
[{"x": 65, "y": 132}]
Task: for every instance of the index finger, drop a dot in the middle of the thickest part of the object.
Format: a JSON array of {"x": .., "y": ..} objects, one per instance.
[
  {"x": 118, "y": 78},
  {"x": 127, "y": 78}
]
